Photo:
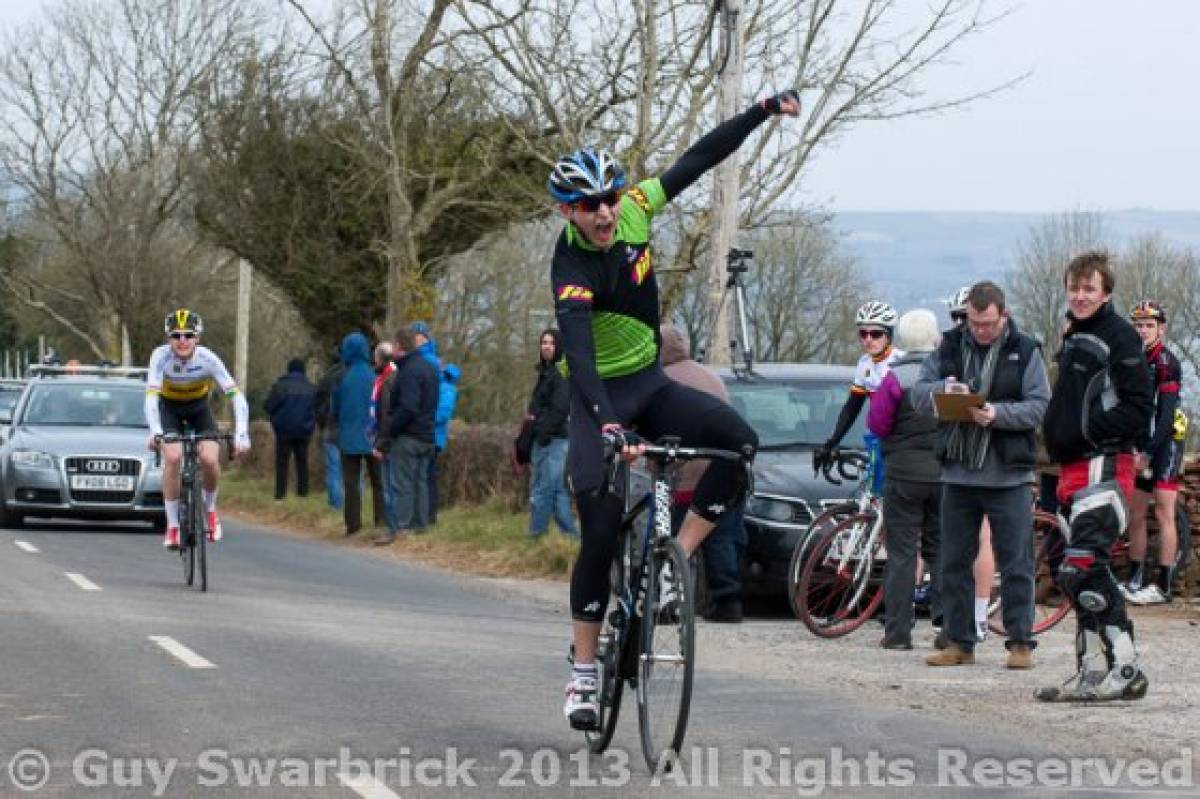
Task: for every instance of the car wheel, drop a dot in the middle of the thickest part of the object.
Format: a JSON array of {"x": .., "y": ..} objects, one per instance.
[{"x": 10, "y": 518}]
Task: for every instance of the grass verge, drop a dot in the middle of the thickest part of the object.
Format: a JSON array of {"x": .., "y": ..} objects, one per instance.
[{"x": 483, "y": 539}]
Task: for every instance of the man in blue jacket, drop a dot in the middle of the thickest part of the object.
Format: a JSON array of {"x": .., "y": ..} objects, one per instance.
[
  {"x": 447, "y": 400},
  {"x": 412, "y": 407},
  {"x": 292, "y": 407},
  {"x": 351, "y": 406}
]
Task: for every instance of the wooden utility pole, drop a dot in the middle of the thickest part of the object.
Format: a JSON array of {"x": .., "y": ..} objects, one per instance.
[
  {"x": 726, "y": 188},
  {"x": 242, "y": 352}
]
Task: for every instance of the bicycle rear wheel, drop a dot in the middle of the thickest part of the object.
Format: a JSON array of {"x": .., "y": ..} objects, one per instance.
[
  {"x": 613, "y": 639},
  {"x": 1050, "y": 604},
  {"x": 837, "y": 594},
  {"x": 667, "y": 659}
]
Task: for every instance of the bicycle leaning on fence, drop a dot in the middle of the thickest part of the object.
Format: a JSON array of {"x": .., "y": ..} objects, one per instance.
[
  {"x": 837, "y": 573},
  {"x": 648, "y": 638},
  {"x": 193, "y": 535}
]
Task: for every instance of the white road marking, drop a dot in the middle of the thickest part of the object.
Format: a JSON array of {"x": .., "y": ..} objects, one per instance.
[
  {"x": 28, "y": 547},
  {"x": 178, "y": 650},
  {"x": 367, "y": 786},
  {"x": 81, "y": 581}
]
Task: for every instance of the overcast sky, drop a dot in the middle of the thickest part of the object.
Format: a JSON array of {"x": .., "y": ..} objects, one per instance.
[{"x": 1109, "y": 118}]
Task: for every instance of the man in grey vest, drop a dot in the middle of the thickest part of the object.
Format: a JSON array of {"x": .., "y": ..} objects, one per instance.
[{"x": 987, "y": 469}]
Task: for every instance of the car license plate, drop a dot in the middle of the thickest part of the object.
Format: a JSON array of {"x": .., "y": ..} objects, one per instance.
[{"x": 101, "y": 482}]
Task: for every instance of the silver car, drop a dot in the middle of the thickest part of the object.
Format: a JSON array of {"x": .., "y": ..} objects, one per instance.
[{"x": 76, "y": 448}]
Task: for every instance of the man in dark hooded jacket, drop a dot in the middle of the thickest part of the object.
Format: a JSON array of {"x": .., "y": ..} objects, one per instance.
[
  {"x": 291, "y": 405},
  {"x": 549, "y": 407},
  {"x": 351, "y": 406}
]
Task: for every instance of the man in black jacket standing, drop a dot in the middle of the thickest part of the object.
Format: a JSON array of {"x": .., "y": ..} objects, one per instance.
[
  {"x": 1099, "y": 411},
  {"x": 291, "y": 405},
  {"x": 549, "y": 407},
  {"x": 412, "y": 407}
]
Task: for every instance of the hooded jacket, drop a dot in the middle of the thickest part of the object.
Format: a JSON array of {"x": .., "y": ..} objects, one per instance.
[
  {"x": 551, "y": 400},
  {"x": 351, "y": 400},
  {"x": 447, "y": 399},
  {"x": 291, "y": 404}
]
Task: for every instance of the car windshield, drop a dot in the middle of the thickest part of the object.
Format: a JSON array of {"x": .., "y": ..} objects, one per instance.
[
  {"x": 85, "y": 406},
  {"x": 794, "y": 413}
]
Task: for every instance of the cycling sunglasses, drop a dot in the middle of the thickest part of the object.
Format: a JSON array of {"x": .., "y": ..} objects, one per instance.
[
  {"x": 958, "y": 317},
  {"x": 871, "y": 334},
  {"x": 183, "y": 335},
  {"x": 591, "y": 204}
]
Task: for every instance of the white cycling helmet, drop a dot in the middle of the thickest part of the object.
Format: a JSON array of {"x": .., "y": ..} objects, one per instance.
[
  {"x": 876, "y": 313},
  {"x": 957, "y": 302}
]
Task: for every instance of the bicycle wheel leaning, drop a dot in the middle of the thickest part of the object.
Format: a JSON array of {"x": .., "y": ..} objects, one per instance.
[
  {"x": 1050, "y": 604},
  {"x": 666, "y": 660},
  {"x": 819, "y": 526},
  {"x": 839, "y": 589}
]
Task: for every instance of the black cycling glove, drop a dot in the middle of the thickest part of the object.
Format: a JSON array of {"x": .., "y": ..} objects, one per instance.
[{"x": 774, "y": 105}]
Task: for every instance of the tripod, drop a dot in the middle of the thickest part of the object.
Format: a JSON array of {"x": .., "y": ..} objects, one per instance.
[{"x": 737, "y": 263}]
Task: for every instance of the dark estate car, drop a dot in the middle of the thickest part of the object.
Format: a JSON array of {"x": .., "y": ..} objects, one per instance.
[
  {"x": 76, "y": 448},
  {"x": 793, "y": 408}
]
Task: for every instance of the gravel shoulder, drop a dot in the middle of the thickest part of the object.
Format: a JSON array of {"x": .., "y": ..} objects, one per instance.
[{"x": 1162, "y": 725}]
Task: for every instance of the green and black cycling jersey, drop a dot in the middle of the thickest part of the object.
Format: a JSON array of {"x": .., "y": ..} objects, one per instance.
[{"x": 606, "y": 301}]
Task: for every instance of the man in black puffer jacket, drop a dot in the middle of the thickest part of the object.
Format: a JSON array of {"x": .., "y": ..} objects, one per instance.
[{"x": 1098, "y": 414}]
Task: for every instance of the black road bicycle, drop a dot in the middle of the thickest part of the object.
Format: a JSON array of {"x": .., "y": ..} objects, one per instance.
[
  {"x": 193, "y": 521},
  {"x": 646, "y": 641}
]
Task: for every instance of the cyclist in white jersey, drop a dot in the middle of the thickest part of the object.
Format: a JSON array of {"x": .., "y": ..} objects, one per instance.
[
  {"x": 876, "y": 322},
  {"x": 182, "y": 374}
]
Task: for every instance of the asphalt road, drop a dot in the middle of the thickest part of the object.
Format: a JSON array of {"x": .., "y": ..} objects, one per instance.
[{"x": 305, "y": 661}]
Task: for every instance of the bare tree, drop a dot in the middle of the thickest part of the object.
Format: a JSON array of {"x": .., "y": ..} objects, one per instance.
[
  {"x": 643, "y": 80},
  {"x": 96, "y": 117},
  {"x": 1035, "y": 284}
]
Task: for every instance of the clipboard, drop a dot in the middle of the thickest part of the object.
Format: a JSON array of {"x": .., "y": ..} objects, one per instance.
[{"x": 956, "y": 407}]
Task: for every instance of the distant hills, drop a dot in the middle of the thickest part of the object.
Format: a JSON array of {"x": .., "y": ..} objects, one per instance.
[{"x": 917, "y": 258}]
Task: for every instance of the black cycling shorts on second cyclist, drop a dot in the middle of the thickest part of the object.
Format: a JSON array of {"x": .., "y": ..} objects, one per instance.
[
  {"x": 1165, "y": 465},
  {"x": 179, "y": 417}
]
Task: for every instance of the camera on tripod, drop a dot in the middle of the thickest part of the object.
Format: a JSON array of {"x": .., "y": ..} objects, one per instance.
[{"x": 738, "y": 261}]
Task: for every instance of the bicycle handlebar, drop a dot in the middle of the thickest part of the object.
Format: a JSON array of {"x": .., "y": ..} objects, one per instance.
[
  {"x": 177, "y": 438},
  {"x": 669, "y": 449},
  {"x": 843, "y": 460}
]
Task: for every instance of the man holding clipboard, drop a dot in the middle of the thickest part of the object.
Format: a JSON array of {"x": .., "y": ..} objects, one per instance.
[{"x": 987, "y": 385}]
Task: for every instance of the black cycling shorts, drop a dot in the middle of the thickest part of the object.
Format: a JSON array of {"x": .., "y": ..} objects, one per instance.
[
  {"x": 1165, "y": 465},
  {"x": 178, "y": 417},
  {"x": 654, "y": 406}
]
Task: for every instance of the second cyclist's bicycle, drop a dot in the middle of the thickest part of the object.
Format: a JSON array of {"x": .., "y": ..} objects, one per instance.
[{"x": 193, "y": 521}]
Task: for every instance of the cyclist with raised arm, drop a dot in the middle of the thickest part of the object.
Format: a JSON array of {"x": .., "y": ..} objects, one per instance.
[
  {"x": 1159, "y": 460},
  {"x": 606, "y": 301},
  {"x": 876, "y": 322},
  {"x": 181, "y": 376}
]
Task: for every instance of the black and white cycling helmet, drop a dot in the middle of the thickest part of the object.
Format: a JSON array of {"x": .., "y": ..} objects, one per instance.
[
  {"x": 585, "y": 173},
  {"x": 875, "y": 313},
  {"x": 957, "y": 302}
]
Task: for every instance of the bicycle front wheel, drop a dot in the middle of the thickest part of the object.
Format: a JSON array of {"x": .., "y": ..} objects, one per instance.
[
  {"x": 187, "y": 540},
  {"x": 200, "y": 532},
  {"x": 839, "y": 587},
  {"x": 819, "y": 526},
  {"x": 667, "y": 658}
]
